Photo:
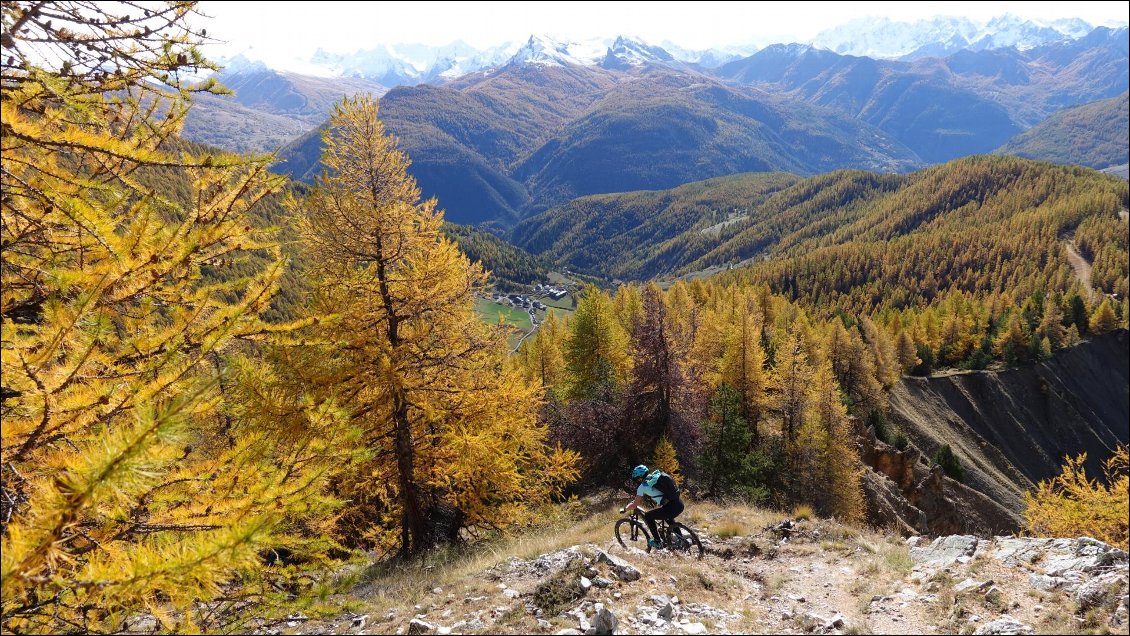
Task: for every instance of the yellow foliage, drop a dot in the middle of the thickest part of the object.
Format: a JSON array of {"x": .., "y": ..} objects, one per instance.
[
  {"x": 451, "y": 426},
  {"x": 825, "y": 465},
  {"x": 1071, "y": 505},
  {"x": 131, "y": 484},
  {"x": 665, "y": 458}
]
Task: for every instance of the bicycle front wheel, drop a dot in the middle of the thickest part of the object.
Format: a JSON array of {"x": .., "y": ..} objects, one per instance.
[
  {"x": 683, "y": 539},
  {"x": 632, "y": 533}
]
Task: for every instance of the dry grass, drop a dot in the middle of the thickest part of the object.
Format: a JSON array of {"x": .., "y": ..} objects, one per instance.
[
  {"x": 408, "y": 583},
  {"x": 898, "y": 559},
  {"x": 729, "y": 528},
  {"x": 803, "y": 512}
]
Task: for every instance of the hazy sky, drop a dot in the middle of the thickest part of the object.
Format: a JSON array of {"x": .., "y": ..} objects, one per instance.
[{"x": 285, "y": 31}]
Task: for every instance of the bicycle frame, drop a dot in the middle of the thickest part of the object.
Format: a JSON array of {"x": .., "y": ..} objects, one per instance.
[{"x": 662, "y": 527}]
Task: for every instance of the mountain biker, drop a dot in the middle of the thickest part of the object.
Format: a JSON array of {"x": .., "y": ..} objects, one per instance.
[{"x": 662, "y": 488}]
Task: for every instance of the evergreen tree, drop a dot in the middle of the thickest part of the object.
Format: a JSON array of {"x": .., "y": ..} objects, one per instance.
[
  {"x": 657, "y": 375},
  {"x": 1011, "y": 345},
  {"x": 541, "y": 356},
  {"x": 724, "y": 460},
  {"x": 1071, "y": 505},
  {"x": 949, "y": 462},
  {"x": 790, "y": 382},
  {"x": 1051, "y": 326}
]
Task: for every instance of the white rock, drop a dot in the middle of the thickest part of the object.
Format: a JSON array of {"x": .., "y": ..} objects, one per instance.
[
  {"x": 359, "y": 621},
  {"x": 511, "y": 593},
  {"x": 965, "y": 586},
  {"x": 1046, "y": 583},
  {"x": 1004, "y": 625},
  {"x": 622, "y": 569},
  {"x": 945, "y": 550},
  {"x": 1095, "y": 591},
  {"x": 693, "y": 628},
  {"x": 585, "y": 583},
  {"x": 417, "y": 626}
]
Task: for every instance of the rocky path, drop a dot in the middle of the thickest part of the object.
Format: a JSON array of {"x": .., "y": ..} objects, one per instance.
[{"x": 789, "y": 577}]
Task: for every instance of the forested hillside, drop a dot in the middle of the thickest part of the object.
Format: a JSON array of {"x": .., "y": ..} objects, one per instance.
[
  {"x": 855, "y": 239},
  {"x": 497, "y": 147},
  {"x": 1093, "y": 135}
]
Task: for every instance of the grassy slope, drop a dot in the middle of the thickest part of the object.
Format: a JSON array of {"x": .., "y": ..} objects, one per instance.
[{"x": 492, "y": 312}]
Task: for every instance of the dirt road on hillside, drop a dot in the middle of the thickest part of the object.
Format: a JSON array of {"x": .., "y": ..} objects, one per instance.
[{"x": 1081, "y": 266}]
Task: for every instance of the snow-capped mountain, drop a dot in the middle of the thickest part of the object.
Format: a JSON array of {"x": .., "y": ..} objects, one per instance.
[
  {"x": 884, "y": 38},
  {"x": 546, "y": 51},
  {"x": 409, "y": 64},
  {"x": 709, "y": 58},
  {"x": 628, "y": 52}
]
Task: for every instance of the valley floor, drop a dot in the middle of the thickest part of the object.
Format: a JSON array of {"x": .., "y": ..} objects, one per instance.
[{"x": 759, "y": 576}]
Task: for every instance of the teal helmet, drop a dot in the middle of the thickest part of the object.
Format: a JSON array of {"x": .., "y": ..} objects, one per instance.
[{"x": 639, "y": 471}]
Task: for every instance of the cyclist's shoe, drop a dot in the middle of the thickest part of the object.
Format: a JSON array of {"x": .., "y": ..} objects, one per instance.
[
  {"x": 652, "y": 543},
  {"x": 623, "y": 510}
]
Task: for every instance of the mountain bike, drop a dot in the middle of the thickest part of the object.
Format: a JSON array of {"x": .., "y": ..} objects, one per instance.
[{"x": 674, "y": 536}]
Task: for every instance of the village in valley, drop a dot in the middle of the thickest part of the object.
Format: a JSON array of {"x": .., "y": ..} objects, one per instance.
[{"x": 524, "y": 309}]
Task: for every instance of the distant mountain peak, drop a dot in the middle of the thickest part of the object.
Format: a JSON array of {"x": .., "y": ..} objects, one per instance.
[
  {"x": 882, "y": 37},
  {"x": 628, "y": 52},
  {"x": 546, "y": 51}
]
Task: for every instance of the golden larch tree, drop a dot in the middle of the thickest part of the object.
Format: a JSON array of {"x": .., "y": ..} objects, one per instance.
[
  {"x": 451, "y": 426},
  {"x": 1072, "y": 505},
  {"x": 129, "y": 485}
]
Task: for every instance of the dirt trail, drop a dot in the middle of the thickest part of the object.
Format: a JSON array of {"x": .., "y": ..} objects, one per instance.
[
  {"x": 1081, "y": 266},
  {"x": 785, "y": 578}
]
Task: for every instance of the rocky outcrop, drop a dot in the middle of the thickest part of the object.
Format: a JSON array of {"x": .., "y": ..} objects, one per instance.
[{"x": 908, "y": 495}]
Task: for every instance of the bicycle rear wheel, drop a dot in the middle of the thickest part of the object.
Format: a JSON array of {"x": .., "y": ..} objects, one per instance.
[
  {"x": 632, "y": 533},
  {"x": 683, "y": 539}
]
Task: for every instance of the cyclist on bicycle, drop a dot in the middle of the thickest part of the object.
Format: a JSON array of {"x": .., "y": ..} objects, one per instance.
[{"x": 662, "y": 488}]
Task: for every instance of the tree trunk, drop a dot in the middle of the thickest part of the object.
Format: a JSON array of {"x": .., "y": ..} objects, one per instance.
[{"x": 412, "y": 522}]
